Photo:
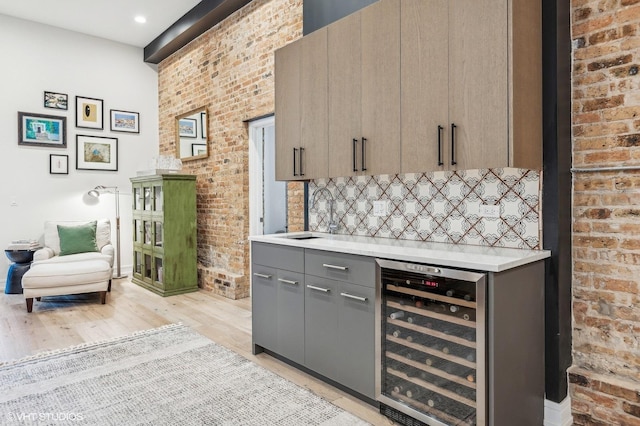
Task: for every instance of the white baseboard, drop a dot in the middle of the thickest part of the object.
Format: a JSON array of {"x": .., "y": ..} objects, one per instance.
[{"x": 558, "y": 414}]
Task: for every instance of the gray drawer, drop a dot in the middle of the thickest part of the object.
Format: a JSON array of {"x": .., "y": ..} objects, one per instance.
[
  {"x": 340, "y": 266},
  {"x": 277, "y": 256}
]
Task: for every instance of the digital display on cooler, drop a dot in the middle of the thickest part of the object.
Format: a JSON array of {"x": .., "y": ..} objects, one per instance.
[{"x": 430, "y": 283}]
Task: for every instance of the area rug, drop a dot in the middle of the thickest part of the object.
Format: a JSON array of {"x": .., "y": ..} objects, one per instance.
[{"x": 166, "y": 376}]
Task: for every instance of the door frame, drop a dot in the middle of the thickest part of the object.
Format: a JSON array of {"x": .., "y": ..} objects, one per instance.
[{"x": 256, "y": 174}]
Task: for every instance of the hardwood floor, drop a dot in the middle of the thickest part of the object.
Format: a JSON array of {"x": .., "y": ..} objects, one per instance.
[{"x": 62, "y": 321}]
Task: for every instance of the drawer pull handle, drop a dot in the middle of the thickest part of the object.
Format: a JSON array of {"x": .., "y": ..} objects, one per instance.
[
  {"x": 351, "y": 296},
  {"x": 340, "y": 268},
  {"x": 324, "y": 290},
  {"x": 282, "y": 280},
  {"x": 267, "y": 277}
]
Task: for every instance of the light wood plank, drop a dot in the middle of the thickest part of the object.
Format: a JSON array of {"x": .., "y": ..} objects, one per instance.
[{"x": 62, "y": 321}]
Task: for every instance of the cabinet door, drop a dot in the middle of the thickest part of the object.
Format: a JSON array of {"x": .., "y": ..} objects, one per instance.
[
  {"x": 290, "y": 321},
  {"x": 321, "y": 351},
  {"x": 478, "y": 82},
  {"x": 345, "y": 96},
  {"x": 287, "y": 107},
  {"x": 264, "y": 302},
  {"x": 313, "y": 106},
  {"x": 356, "y": 338},
  {"x": 425, "y": 84},
  {"x": 381, "y": 86}
]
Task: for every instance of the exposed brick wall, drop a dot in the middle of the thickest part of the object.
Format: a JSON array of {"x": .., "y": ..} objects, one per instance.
[
  {"x": 605, "y": 378},
  {"x": 230, "y": 70}
]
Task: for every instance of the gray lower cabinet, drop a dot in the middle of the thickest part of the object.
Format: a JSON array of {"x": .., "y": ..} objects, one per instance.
[
  {"x": 321, "y": 326},
  {"x": 356, "y": 337},
  {"x": 339, "y": 328},
  {"x": 278, "y": 300},
  {"x": 324, "y": 321}
]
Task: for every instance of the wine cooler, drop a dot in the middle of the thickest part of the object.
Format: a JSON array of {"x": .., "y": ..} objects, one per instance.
[{"x": 432, "y": 344}]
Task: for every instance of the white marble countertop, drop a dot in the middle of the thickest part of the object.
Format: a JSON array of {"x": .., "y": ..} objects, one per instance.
[{"x": 481, "y": 258}]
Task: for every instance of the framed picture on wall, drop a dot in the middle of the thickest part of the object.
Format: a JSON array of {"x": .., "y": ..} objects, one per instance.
[
  {"x": 125, "y": 121},
  {"x": 42, "y": 130},
  {"x": 188, "y": 128},
  {"x": 58, "y": 164},
  {"x": 56, "y": 100},
  {"x": 89, "y": 113},
  {"x": 203, "y": 124},
  {"x": 198, "y": 149},
  {"x": 96, "y": 153}
]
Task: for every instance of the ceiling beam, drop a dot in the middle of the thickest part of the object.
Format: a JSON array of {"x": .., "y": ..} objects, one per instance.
[{"x": 194, "y": 23}]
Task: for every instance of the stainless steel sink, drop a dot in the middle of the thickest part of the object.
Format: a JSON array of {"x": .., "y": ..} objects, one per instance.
[{"x": 302, "y": 237}]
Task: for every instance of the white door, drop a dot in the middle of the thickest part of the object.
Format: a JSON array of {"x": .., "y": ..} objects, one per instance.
[{"x": 268, "y": 197}]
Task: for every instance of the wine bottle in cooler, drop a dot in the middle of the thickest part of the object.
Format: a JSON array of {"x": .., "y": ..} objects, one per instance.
[
  {"x": 414, "y": 393},
  {"x": 396, "y": 315}
]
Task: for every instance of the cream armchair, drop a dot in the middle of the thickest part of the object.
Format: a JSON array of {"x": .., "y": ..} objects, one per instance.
[
  {"x": 50, "y": 253},
  {"x": 77, "y": 264}
]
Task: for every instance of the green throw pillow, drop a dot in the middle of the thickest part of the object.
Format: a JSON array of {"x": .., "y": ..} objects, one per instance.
[{"x": 77, "y": 239}]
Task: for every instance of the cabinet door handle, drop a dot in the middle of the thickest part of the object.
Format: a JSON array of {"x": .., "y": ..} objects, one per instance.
[
  {"x": 440, "y": 129},
  {"x": 301, "y": 151},
  {"x": 340, "y": 268},
  {"x": 282, "y": 280},
  {"x": 351, "y": 296},
  {"x": 364, "y": 165},
  {"x": 355, "y": 146},
  {"x": 324, "y": 290},
  {"x": 295, "y": 153},
  {"x": 265, "y": 276},
  {"x": 453, "y": 144}
]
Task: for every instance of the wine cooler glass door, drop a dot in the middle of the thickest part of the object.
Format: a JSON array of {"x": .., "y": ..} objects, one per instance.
[{"x": 433, "y": 343}]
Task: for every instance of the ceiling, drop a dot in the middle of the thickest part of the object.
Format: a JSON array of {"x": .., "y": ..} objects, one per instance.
[{"x": 110, "y": 19}]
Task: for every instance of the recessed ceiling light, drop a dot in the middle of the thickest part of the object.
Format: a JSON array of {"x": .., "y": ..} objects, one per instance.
[{"x": 140, "y": 19}]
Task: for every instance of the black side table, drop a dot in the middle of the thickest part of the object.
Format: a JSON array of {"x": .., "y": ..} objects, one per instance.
[{"x": 22, "y": 262}]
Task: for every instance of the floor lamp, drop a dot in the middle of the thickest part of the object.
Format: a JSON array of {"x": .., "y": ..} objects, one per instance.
[{"x": 95, "y": 192}]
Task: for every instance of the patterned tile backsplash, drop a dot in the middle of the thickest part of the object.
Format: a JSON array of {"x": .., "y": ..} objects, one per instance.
[{"x": 436, "y": 207}]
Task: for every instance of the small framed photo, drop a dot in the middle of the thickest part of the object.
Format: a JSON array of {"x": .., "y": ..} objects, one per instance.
[
  {"x": 58, "y": 164},
  {"x": 203, "y": 124},
  {"x": 125, "y": 121},
  {"x": 96, "y": 153},
  {"x": 89, "y": 113},
  {"x": 188, "y": 128},
  {"x": 198, "y": 149},
  {"x": 42, "y": 130},
  {"x": 56, "y": 100}
]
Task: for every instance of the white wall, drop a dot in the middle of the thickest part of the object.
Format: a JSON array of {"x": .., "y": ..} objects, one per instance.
[{"x": 36, "y": 58}]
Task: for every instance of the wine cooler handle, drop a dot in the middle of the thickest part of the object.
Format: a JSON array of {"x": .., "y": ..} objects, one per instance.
[
  {"x": 355, "y": 147},
  {"x": 364, "y": 156},
  {"x": 267, "y": 277},
  {"x": 351, "y": 296},
  {"x": 313, "y": 287},
  {"x": 295, "y": 153},
  {"x": 453, "y": 144},
  {"x": 282, "y": 280},
  {"x": 340, "y": 268},
  {"x": 301, "y": 171},
  {"x": 440, "y": 129}
]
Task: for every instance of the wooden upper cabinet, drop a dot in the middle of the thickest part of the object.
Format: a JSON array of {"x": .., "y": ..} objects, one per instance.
[
  {"x": 425, "y": 84},
  {"x": 381, "y": 86},
  {"x": 301, "y": 108},
  {"x": 413, "y": 86},
  {"x": 364, "y": 91},
  {"x": 287, "y": 108},
  {"x": 345, "y": 95},
  {"x": 473, "y": 68},
  {"x": 478, "y": 84}
]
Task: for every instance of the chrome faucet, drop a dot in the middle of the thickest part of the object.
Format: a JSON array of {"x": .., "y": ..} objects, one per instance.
[{"x": 333, "y": 226}]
